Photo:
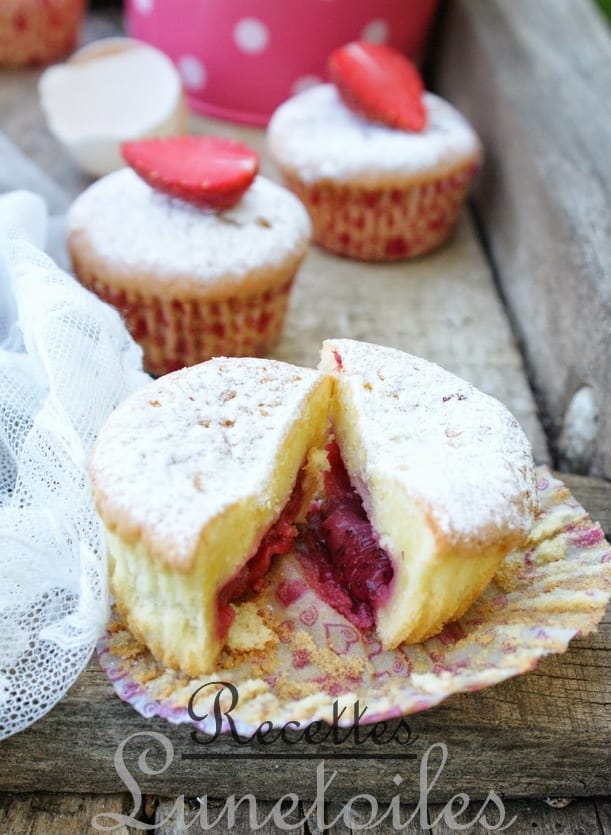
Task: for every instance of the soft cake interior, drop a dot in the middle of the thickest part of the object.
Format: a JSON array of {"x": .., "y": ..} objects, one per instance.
[
  {"x": 370, "y": 548},
  {"x": 433, "y": 581},
  {"x": 176, "y": 613}
]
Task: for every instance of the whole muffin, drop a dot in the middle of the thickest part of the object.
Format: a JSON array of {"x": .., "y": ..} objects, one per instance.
[
  {"x": 38, "y": 31},
  {"x": 373, "y": 191},
  {"x": 190, "y": 283}
]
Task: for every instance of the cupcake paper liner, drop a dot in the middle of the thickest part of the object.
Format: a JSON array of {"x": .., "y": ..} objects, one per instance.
[
  {"x": 174, "y": 333},
  {"x": 384, "y": 224},
  {"x": 38, "y": 31},
  {"x": 544, "y": 595}
]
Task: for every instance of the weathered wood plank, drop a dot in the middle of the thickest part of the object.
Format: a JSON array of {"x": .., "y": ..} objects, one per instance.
[
  {"x": 332, "y": 818},
  {"x": 63, "y": 814},
  {"x": 175, "y": 817},
  {"x": 533, "y": 78},
  {"x": 551, "y": 727},
  {"x": 536, "y": 816},
  {"x": 359, "y": 817},
  {"x": 58, "y": 814},
  {"x": 594, "y": 494},
  {"x": 603, "y": 810}
]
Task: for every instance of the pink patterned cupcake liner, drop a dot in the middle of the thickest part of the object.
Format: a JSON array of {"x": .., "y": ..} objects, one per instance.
[
  {"x": 38, "y": 31},
  {"x": 553, "y": 590},
  {"x": 174, "y": 333},
  {"x": 384, "y": 224}
]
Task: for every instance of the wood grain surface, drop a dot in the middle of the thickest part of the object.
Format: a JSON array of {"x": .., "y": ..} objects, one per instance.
[
  {"x": 552, "y": 727},
  {"x": 534, "y": 80},
  {"x": 546, "y": 733},
  {"x": 66, "y": 814}
]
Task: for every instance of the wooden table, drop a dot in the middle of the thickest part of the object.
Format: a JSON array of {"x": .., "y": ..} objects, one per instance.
[{"x": 544, "y": 735}]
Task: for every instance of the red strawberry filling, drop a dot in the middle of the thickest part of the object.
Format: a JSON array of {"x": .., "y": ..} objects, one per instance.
[
  {"x": 340, "y": 552},
  {"x": 336, "y": 546},
  {"x": 278, "y": 540}
]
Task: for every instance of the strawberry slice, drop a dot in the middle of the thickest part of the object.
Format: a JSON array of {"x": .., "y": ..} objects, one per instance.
[
  {"x": 379, "y": 83},
  {"x": 209, "y": 171}
]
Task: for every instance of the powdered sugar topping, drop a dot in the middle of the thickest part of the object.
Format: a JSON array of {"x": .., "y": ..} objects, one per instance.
[
  {"x": 185, "y": 448},
  {"x": 459, "y": 452},
  {"x": 316, "y": 135},
  {"x": 131, "y": 226}
]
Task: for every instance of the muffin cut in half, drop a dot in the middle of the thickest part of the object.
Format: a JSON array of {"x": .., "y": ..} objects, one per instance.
[
  {"x": 201, "y": 477},
  {"x": 196, "y": 478},
  {"x": 445, "y": 476}
]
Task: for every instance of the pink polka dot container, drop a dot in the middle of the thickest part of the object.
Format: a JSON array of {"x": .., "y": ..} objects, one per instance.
[
  {"x": 38, "y": 31},
  {"x": 239, "y": 59}
]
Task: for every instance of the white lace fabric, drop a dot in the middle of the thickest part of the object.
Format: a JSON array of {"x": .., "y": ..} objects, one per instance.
[{"x": 66, "y": 360}]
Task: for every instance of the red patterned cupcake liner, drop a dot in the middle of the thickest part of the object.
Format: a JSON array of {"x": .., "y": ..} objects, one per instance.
[
  {"x": 384, "y": 224},
  {"x": 38, "y": 31},
  {"x": 174, "y": 333}
]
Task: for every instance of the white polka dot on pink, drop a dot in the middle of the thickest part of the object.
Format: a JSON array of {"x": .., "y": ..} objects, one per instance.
[
  {"x": 193, "y": 72},
  {"x": 376, "y": 31},
  {"x": 251, "y": 35},
  {"x": 144, "y": 6}
]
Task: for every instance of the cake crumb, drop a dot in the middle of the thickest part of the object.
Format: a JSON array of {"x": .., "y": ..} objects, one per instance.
[
  {"x": 336, "y": 669},
  {"x": 287, "y": 687},
  {"x": 249, "y": 631}
]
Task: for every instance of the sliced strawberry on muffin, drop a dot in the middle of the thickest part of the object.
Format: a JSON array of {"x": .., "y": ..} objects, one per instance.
[
  {"x": 211, "y": 172},
  {"x": 381, "y": 165},
  {"x": 197, "y": 252},
  {"x": 379, "y": 83}
]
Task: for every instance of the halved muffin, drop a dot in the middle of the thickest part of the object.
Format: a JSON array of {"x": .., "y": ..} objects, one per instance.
[
  {"x": 445, "y": 477},
  {"x": 196, "y": 478},
  {"x": 200, "y": 478}
]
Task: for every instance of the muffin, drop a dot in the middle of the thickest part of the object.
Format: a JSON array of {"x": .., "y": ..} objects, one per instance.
[
  {"x": 374, "y": 191},
  {"x": 197, "y": 480},
  {"x": 445, "y": 479},
  {"x": 38, "y": 31},
  {"x": 191, "y": 283},
  {"x": 401, "y": 486}
]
